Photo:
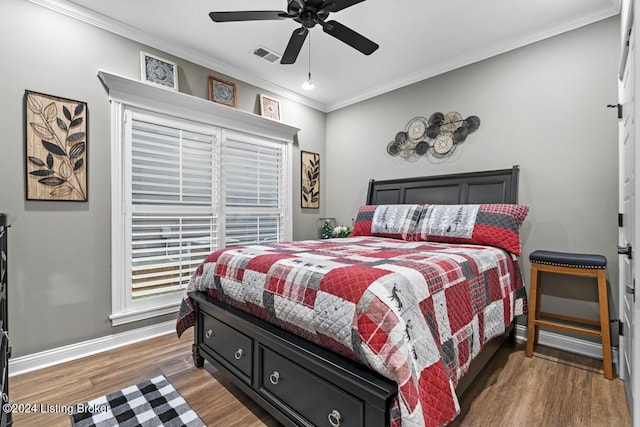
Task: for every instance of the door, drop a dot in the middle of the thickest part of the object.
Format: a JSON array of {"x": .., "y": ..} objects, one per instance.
[{"x": 629, "y": 159}]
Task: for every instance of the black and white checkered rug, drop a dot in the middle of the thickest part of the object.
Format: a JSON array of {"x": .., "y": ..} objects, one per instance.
[{"x": 152, "y": 403}]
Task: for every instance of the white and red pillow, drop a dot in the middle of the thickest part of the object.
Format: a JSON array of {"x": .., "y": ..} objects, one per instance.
[
  {"x": 394, "y": 221},
  {"x": 495, "y": 224},
  {"x": 486, "y": 224}
]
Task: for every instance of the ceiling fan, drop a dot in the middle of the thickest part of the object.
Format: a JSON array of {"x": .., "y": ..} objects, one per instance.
[{"x": 308, "y": 13}]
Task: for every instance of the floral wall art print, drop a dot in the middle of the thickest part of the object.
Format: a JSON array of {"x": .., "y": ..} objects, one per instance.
[
  {"x": 310, "y": 180},
  {"x": 56, "y": 148}
]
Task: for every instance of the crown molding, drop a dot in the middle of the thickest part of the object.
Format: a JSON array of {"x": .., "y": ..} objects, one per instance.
[
  {"x": 476, "y": 56},
  {"x": 106, "y": 23},
  {"x": 80, "y": 13}
]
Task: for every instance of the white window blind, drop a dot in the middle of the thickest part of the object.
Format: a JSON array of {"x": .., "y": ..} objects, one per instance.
[
  {"x": 171, "y": 165},
  {"x": 254, "y": 180},
  {"x": 174, "y": 203},
  {"x": 166, "y": 249}
]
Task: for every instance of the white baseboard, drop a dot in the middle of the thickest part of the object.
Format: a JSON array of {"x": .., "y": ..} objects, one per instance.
[
  {"x": 33, "y": 362},
  {"x": 44, "y": 359},
  {"x": 563, "y": 342}
]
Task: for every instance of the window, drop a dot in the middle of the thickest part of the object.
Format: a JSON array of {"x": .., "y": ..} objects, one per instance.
[
  {"x": 253, "y": 183},
  {"x": 182, "y": 188},
  {"x": 174, "y": 175}
]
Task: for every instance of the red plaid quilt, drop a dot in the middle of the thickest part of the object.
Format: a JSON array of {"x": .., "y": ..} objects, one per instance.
[{"x": 416, "y": 312}]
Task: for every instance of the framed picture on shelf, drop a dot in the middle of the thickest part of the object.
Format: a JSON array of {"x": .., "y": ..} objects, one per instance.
[
  {"x": 56, "y": 139},
  {"x": 158, "y": 71},
  {"x": 270, "y": 107},
  {"x": 310, "y": 177},
  {"x": 223, "y": 92}
]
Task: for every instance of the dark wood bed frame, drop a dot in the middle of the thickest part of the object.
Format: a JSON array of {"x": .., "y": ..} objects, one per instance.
[{"x": 302, "y": 384}]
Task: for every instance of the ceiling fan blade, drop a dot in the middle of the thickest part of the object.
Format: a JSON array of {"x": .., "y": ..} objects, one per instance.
[
  {"x": 342, "y": 4},
  {"x": 350, "y": 37},
  {"x": 295, "y": 44},
  {"x": 249, "y": 15},
  {"x": 326, "y": 7}
]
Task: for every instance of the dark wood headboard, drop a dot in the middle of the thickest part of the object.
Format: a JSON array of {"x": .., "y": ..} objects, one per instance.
[{"x": 497, "y": 186}]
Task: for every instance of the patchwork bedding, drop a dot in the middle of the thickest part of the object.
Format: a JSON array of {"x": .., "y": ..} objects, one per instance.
[{"x": 417, "y": 312}]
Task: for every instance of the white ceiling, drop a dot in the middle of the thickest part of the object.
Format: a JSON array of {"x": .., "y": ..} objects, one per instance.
[{"x": 418, "y": 38}]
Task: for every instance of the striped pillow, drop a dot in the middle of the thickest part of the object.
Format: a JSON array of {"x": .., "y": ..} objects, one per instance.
[
  {"x": 488, "y": 224},
  {"x": 394, "y": 221}
]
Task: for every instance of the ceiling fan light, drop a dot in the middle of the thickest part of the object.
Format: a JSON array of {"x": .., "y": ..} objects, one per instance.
[{"x": 308, "y": 84}]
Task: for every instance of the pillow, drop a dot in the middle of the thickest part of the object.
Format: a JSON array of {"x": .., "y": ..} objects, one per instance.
[
  {"x": 395, "y": 221},
  {"x": 488, "y": 224}
]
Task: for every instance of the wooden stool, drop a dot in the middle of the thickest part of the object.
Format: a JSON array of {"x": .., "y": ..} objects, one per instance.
[{"x": 578, "y": 265}]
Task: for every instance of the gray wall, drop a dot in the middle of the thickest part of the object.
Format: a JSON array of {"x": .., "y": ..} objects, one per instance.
[
  {"x": 542, "y": 107},
  {"x": 60, "y": 279}
]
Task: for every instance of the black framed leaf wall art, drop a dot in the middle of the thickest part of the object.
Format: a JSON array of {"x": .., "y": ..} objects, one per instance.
[
  {"x": 310, "y": 180},
  {"x": 55, "y": 148}
]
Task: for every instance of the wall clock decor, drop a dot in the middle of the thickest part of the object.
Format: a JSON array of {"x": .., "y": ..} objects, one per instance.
[
  {"x": 451, "y": 121},
  {"x": 416, "y": 129},
  {"x": 438, "y": 136},
  {"x": 443, "y": 143},
  {"x": 158, "y": 71}
]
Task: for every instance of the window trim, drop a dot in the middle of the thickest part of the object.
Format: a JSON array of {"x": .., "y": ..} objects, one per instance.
[{"x": 127, "y": 93}]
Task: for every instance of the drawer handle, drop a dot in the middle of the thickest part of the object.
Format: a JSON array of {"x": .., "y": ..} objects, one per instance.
[
  {"x": 209, "y": 334},
  {"x": 274, "y": 377},
  {"x": 334, "y": 418},
  {"x": 238, "y": 354}
]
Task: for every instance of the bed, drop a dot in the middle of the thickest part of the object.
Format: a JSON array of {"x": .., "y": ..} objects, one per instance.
[{"x": 379, "y": 329}]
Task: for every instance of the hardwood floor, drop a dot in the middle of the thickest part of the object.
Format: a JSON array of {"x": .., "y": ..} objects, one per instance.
[
  {"x": 553, "y": 388},
  {"x": 216, "y": 400}
]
